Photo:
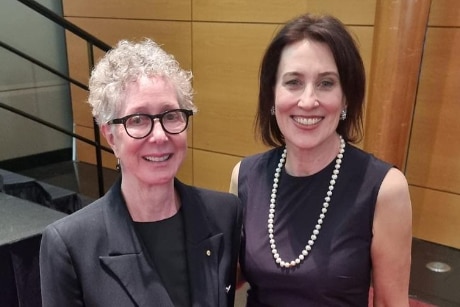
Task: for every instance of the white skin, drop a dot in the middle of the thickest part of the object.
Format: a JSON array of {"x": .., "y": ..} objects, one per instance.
[
  {"x": 308, "y": 102},
  {"x": 148, "y": 165}
]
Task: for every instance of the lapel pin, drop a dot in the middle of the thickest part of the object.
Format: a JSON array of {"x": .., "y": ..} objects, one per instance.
[{"x": 208, "y": 253}]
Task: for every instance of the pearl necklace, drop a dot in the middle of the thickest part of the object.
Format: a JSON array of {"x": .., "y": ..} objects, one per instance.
[{"x": 327, "y": 199}]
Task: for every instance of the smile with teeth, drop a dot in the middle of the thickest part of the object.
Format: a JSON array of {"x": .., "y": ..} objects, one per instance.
[
  {"x": 307, "y": 121},
  {"x": 158, "y": 159}
]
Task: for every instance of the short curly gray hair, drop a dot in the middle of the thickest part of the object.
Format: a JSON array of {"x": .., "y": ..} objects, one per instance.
[{"x": 128, "y": 62}]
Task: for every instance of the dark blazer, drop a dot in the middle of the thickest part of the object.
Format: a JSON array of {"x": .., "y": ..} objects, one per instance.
[{"x": 94, "y": 257}]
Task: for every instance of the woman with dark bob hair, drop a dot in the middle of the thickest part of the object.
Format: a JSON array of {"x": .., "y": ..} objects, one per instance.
[{"x": 323, "y": 220}]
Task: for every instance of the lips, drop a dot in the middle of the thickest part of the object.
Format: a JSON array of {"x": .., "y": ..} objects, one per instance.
[
  {"x": 306, "y": 121},
  {"x": 158, "y": 158}
]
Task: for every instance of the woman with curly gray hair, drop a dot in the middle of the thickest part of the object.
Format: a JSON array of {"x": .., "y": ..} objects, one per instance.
[{"x": 151, "y": 240}]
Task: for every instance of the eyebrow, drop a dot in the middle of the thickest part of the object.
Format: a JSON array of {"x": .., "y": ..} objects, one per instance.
[{"x": 323, "y": 74}]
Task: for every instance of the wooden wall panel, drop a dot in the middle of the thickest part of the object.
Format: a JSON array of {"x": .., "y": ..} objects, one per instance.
[
  {"x": 213, "y": 170},
  {"x": 247, "y": 11},
  {"x": 175, "y": 37},
  {"x": 81, "y": 109},
  {"x": 185, "y": 173},
  {"x": 445, "y": 13},
  {"x": 364, "y": 38},
  {"x": 77, "y": 57},
  {"x": 126, "y": 9},
  {"x": 273, "y": 11},
  {"x": 351, "y": 12},
  {"x": 434, "y": 150},
  {"x": 226, "y": 84},
  {"x": 436, "y": 216},
  {"x": 86, "y": 152}
]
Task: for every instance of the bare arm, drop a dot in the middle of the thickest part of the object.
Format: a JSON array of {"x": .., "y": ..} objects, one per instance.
[{"x": 391, "y": 243}]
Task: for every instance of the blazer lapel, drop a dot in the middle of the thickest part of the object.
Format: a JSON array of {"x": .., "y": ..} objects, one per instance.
[
  {"x": 138, "y": 278},
  {"x": 203, "y": 248},
  {"x": 126, "y": 259}
]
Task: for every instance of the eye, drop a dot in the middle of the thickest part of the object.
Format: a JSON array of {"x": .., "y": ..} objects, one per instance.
[
  {"x": 293, "y": 83},
  {"x": 326, "y": 84},
  {"x": 172, "y": 116},
  {"x": 137, "y": 120}
]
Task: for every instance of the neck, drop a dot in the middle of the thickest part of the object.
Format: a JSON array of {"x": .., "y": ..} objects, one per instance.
[
  {"x": 152, "y": 203},
  {"x": 306, "y": 162}
]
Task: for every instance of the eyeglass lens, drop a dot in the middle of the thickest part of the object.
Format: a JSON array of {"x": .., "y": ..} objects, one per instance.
[{"x": 140, "y": 125}]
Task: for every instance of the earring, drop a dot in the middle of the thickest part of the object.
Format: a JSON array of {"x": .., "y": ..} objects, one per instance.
[
  {"x": 118, "y": 167},
  {"x": 272, "y": 110},
  {"x": 343, "y": 114}
]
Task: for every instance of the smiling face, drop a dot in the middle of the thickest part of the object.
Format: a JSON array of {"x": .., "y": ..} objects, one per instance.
[
  {"x": 308, "y": 95},
  {"x": 155, "y": 159}
]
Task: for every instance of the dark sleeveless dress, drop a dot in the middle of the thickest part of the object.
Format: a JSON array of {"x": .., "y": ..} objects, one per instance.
[{"x": 337, "y": 272}]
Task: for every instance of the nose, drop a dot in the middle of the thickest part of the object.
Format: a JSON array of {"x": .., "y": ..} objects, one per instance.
[
  {"x": 158, "y": 134},
  {"x": 308, "y": 98}
]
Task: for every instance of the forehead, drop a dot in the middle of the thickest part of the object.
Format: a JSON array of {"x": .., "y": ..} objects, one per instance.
[
  {"x": 307, "y": 55},
  {"x": 150, "y": 93}
]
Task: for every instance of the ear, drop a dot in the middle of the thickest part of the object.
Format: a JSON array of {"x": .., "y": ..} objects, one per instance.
[{"x": 106, "y": 131}]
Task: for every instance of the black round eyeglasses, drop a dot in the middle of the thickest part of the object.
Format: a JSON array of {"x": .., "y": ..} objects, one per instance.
[{"x": 139, "y": 125}]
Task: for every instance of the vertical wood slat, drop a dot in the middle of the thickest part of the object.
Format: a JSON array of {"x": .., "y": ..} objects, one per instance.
[{"x": 399, "y": 34}]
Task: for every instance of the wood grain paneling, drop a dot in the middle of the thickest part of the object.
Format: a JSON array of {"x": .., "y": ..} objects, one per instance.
[
  {"x": 445, "y": 13},
  {"x": 86, "y": 152},
  {"x": 435, "y": 216},
  {"x": 273, "y": 11},
  {"x": 81, "y": 109},
  {"x": 434, "y": 150},
  {"x": 213, "y": 170},
  {"x": 175, "y": 37},
  {"x": 247, "y": 11},
  {"x": 77, "y": 57},
  {"x": 351, "y": 12},
  {"x": 363, "y": 36},
  {"x": 226, "y": 84},
  {"x": 185, "y": 173},
  {"x": 127, "y": 9}
]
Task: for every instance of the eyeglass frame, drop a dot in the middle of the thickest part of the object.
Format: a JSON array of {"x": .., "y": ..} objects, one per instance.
[{"x": 122, "y": 120}]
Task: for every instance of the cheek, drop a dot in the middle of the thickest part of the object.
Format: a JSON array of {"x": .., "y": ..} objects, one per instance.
[
  {"x": 126, "y": 146},
  {"x": 282, "y": 96},
  {"x": 181, "y": 143}
]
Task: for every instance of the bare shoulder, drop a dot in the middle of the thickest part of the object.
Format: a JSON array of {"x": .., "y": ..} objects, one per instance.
[
  {"x": 394, "y": 188},
  {"x": 393, "y": 208}
]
